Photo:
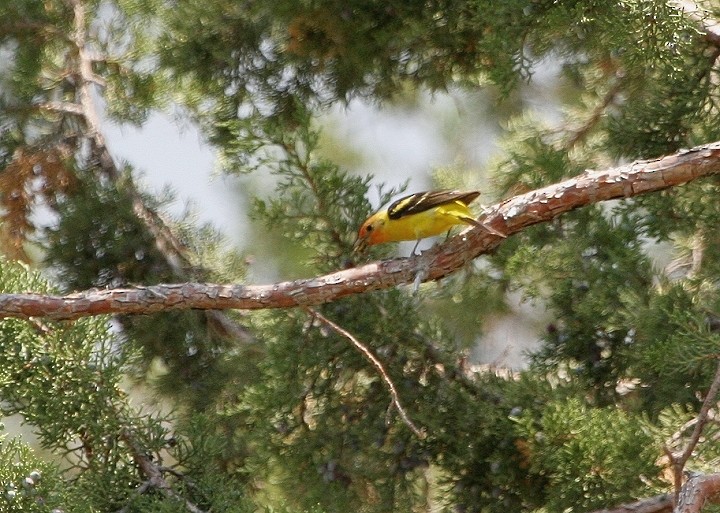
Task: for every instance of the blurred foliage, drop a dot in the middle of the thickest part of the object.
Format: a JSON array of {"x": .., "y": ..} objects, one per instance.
[
  {"x": 29, "y": 483},
  {"x": 65, "y": 380},
  {"x": 275, "y": 410},
  {"x": 570, "y": 445}
]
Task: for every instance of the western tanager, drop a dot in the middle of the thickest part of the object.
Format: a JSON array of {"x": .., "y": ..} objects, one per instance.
[{"x": 419, "y": 215}]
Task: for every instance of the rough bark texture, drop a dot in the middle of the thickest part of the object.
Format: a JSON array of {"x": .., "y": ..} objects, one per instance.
[
  {"x": 510, "y": 216},
  {"x": 697, "y": 491}
]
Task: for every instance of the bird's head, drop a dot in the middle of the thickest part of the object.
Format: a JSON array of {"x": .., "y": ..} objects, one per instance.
[{"x": 371, "y": 232}]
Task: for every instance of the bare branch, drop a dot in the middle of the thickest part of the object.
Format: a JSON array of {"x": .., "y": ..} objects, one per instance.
[
  {"x": 153, "y": 472},
  {"x": 61, "y": 107},
  {"x": 678, "y": 461},
  {"x": 510, "y": 216},
  {"x": 376, "y": 363},
  {"x": 702, "y": 417},
  {"x": 581, "y": 133}
]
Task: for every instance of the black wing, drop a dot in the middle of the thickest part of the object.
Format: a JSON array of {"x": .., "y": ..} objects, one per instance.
[{"x": 422, "y": 201}]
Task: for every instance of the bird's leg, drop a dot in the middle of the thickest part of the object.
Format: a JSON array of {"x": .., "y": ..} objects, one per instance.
[
  {"x": 419, "y": 278},
  {"x": 417, "y": 243}
]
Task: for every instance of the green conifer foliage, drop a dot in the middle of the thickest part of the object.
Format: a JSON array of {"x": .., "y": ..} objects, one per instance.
[
  {"x": 29, "y": 483},
  {"x": 570, "y": 445},
  {"x": 282, "y": 410},
  {"x": 66, "y": 381}
]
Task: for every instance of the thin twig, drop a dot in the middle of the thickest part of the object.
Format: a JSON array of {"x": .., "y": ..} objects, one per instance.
[
  {"x": 376, "y": 363},
  {"x": 312, "y": 184},
  {"x": 153, "y": 472},
  {"x": 140, "y": 490},
  {"x": 678, "y": 461},
  {"x": 702, "y": 416},
  {"x": 581, "y": 133}
]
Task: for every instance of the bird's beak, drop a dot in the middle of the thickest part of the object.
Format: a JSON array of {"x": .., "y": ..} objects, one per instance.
[{"x": 360, "y": 245}]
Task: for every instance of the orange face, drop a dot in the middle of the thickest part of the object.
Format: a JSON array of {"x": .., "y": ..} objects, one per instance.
[{"x": 371, "y": 232}]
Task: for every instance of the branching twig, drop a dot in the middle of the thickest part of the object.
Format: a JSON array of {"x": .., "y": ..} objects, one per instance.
[
  {"x": 581, "y": 133},
  {"x": 376, "y": 363},
  {"x": 153, "y": 472},
  {"x": 678, "y": 461},
  {"x": 313, "y": 186},
  {"x": 702, "y": 417}
]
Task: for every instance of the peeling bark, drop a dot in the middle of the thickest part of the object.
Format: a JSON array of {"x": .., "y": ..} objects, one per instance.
[{"x": 509, "y": 217}]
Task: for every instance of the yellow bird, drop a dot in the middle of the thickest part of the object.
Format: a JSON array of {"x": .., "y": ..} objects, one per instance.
[{"x": 419, "y": 215}]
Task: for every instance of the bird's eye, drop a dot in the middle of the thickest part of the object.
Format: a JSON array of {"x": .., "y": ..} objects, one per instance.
[{"x": 368, "y": 228}]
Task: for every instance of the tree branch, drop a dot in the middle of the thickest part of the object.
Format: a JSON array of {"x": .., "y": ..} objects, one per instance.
[
  {"x": 696, "y": 492},
  {"x": 581, "y": 133},
  {"x": 678, "y": 461},
  {"x": 167, "y": 243},
  {"x": 377, "y": 364},
  {"x": 658, "y": 504},
  {"x": 510, "y": 216},
  {"x": 61, "y": 107},
  {"x": 322, "y": 209},
  {"x": 153, "y": 472}
]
